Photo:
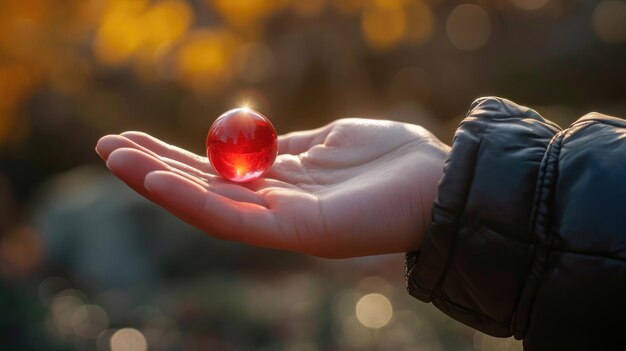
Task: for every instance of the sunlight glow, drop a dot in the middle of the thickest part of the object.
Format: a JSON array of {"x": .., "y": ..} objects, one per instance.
[
  {"x": 128, "y": 339},
  {"x": 374, "y": 310}
]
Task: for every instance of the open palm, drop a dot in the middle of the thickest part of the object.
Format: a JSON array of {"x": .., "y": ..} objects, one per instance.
[{"x": 351, "y": 188}]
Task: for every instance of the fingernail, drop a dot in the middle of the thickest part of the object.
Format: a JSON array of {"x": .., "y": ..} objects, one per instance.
[{"x": 152, "y": 182}]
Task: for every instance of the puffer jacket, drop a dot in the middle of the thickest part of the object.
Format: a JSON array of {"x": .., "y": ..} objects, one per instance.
[{"x": 528, "y": 231}]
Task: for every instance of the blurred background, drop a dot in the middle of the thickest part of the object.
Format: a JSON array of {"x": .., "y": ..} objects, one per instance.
[{"x": 86, "y": 264}]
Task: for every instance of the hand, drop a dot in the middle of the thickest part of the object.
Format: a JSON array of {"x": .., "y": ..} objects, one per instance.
[{"x": 354, "y": 187}]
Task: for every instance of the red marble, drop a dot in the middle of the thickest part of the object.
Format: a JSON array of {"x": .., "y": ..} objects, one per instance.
[{"x": 242, "y": 145}]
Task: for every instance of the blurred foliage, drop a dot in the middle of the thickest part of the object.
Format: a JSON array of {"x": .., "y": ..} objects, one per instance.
[{"x": 86, "y": 264}]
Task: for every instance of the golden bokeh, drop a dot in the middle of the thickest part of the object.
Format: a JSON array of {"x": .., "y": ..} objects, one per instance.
[
  {"x": 32, "y": 10},
  {"x": 387, "y": 24},
  {"x": 73, "y": 70},
  {"x": 134, "y": 28},
  {"x": 120, "y": 33},
  {"x": 43, "y": 42},
  {"x": 204, "y": 59},
  {"x": 166, "y": 22},
  {"x": 247, "y": 14},
  {"x": 128, "y": 339},
  {"x": 374, "y": 310},
  {"x": 383, "y": 25}
]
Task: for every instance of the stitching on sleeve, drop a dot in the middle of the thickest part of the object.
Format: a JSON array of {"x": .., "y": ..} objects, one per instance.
[{"x": 539, "y": 226}]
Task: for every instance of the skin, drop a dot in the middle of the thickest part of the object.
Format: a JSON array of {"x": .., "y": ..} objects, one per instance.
[{"x": 354, "y": 187}]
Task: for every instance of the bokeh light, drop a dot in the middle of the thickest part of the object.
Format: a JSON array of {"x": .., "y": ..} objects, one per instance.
[
  {"x": 384, "y": 24},
  {"x": 120, "y": 33},
  {"x": 609, "y": 21},
  {"x": 81, "y": 254},
  {"x": 374, "y": 310},
  {"x": 137, "y": 28},
  {"x": 89, "y": 320},
  {"x": 468, "y": 27},
  {"x": 128, "y": 339},
  {"x": 247, "y": 14},
  {"x": 204, "y": 59},
  {"x": 62, "y": 309}
]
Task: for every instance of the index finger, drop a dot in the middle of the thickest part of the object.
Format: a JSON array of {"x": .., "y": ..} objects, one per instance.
[{"x": 170, "y": 151}]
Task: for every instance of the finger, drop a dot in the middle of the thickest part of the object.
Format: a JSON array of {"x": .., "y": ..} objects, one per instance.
[
  {"x": 188, "y": 169},
  {"x": 214, "y": 213},
  {"x": 170, "y": 151},
  {"x": 298, "y": 142},
  {"x": 109, "y": 143},
  {"x": 132, "y": 165}
]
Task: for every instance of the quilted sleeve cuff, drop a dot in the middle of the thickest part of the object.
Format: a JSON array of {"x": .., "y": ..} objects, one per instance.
[{"x": 476, "y": 255}]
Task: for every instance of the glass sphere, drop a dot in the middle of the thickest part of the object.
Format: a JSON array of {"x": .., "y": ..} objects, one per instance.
[{"x": 242, "y": 145}]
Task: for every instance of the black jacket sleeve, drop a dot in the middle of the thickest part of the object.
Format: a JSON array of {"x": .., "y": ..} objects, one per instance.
[{"x": 528, "y": 232}]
